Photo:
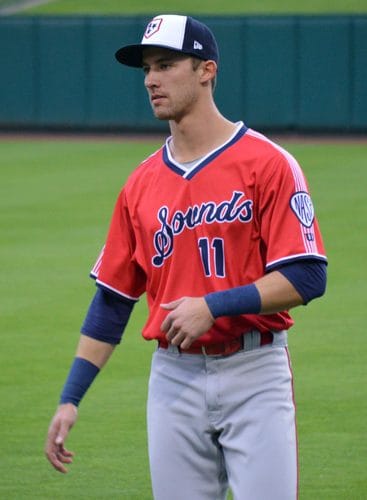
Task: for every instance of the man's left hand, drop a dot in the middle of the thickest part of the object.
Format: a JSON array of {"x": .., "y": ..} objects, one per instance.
[{"x": 189, "y": 318}]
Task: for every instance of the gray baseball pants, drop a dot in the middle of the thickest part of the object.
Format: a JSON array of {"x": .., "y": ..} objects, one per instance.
[{"x": 218, "y": 422}]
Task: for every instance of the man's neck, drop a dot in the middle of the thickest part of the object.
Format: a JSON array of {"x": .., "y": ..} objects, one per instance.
[{"x": 195, "y": 136}]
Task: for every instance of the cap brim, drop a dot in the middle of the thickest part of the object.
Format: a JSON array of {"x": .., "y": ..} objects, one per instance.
[{"x": 131, "y": 55}]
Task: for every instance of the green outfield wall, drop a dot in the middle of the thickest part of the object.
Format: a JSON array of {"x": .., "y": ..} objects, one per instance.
[{"x": 300, "y": 73}]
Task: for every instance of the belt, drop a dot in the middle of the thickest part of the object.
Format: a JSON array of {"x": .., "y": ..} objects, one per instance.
[{"x": 246, "y": 342}]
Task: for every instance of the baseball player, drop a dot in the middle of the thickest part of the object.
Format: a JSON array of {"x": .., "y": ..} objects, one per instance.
[{"x": 218, "y": 229}]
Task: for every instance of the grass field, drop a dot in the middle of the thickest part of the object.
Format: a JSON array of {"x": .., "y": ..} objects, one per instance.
[
  {"x": 205, "y": 6},
  {"x": 56, "y": 201}
]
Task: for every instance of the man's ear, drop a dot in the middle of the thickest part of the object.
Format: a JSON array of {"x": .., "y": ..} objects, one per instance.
[{"x": 208, "y": 71}]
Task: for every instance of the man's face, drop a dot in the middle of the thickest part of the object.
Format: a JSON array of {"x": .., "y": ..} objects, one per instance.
[{"x": 172, "y": 84}]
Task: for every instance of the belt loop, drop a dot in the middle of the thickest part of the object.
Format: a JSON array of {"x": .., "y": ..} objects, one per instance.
[
  {"x": 252, "y": 340},
  {"x": 280, "y": 338},
  {"x": 173, "y": 349},
  {"x": 247, "y": 341}
]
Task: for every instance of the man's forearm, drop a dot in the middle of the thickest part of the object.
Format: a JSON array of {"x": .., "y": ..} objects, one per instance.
[
  {"x": 270, "y": 294},
  {"x": 290, "y": 286},
  {"x": 90, "y": 357},
  {"x": 93, "y": 350},
  {"x": 277, "y": 293}
]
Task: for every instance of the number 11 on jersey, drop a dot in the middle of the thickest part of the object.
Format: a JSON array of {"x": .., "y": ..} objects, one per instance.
[{"x": 212, "y": 253}]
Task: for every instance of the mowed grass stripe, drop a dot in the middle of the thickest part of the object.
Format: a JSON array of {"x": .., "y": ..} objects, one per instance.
[{"x": 211, "y": 7}]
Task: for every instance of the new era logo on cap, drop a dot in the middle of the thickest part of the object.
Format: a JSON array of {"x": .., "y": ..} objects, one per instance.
[{"x": 180, "y": 33}]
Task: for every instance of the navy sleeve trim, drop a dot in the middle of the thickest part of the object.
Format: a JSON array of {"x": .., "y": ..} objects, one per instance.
[
  {"x": 293, "y": 259},
  {"x": 107, "y": 317},
  {"x": 120, "y": 295}
]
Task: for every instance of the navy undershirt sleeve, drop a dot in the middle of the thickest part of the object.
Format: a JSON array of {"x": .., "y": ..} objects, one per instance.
[
  {"x": 107, "y": 317},
  {"x": 307, "y": 276}
]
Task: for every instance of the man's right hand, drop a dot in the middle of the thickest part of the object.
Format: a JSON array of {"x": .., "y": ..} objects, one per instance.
[{"x": 64, "y": 419}]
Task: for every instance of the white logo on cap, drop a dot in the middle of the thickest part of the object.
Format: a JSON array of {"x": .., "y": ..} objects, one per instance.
[
  {"x": 153, "y": 27},
  {"x": 198, "y": 45}
]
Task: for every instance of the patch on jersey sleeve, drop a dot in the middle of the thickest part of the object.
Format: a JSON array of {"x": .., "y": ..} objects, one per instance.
[{"x": 302, "y": 206}]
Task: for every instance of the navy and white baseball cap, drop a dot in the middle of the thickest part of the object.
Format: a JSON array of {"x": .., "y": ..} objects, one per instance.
[{"x": 180, "y": 33}]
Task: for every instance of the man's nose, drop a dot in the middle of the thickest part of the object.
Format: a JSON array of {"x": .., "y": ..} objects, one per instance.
[{"x": 151, "y": 80}]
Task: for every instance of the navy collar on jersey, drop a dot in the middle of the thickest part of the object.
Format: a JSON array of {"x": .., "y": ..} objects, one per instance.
[{"x": 202, "y": 162}]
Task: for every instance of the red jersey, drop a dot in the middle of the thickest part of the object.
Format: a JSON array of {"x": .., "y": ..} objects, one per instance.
[{"x": 239, "y": 212}]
